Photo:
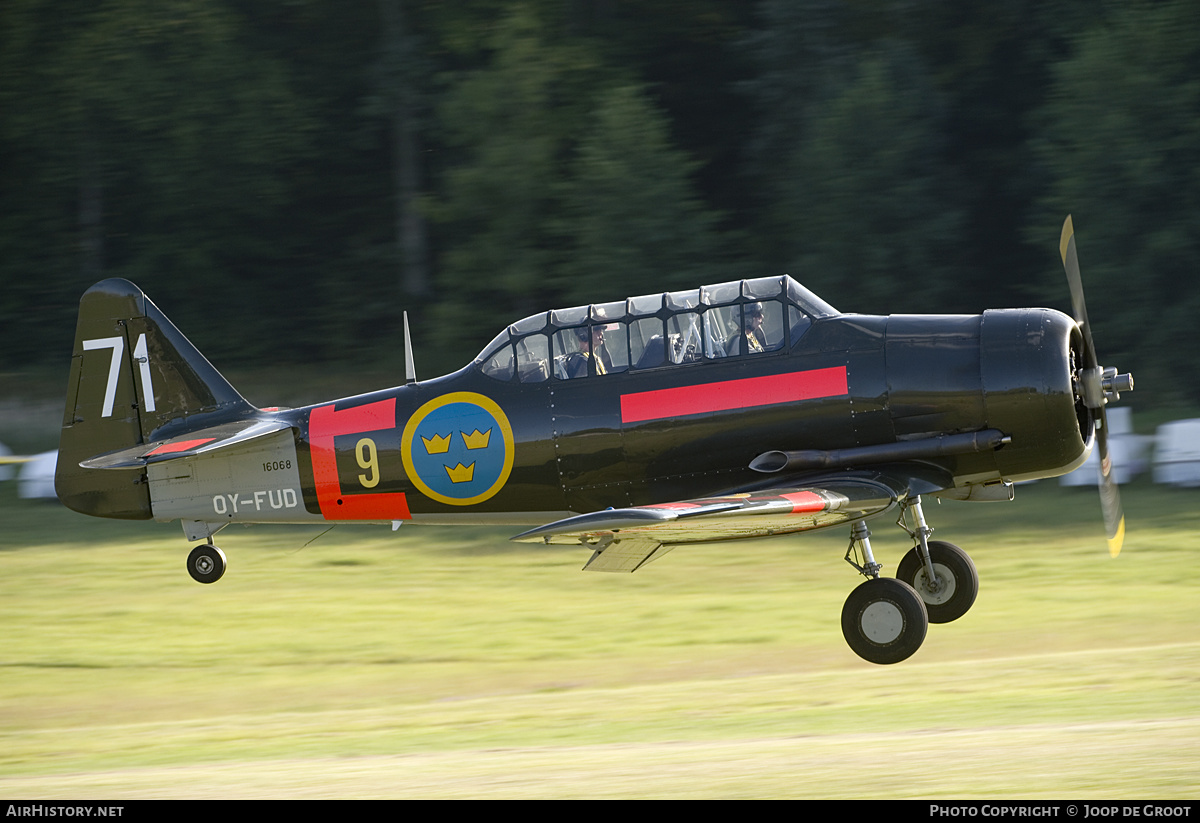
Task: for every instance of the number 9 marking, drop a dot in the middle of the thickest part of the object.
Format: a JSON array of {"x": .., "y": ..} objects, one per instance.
[
  {"x": 368, "y": 458},
  {"x": 325, "y": 423}
]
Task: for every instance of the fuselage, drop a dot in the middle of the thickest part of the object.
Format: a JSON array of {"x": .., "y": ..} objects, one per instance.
[
  {"x": 649, "y": 400},
  {"x": 512, "y": 438}
]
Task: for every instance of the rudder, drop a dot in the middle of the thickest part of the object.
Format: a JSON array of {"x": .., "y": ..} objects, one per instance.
[{"x": 134, "y": 379}]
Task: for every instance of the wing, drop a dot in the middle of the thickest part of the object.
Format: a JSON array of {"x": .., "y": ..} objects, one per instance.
[{"x": 624, "y": 540}]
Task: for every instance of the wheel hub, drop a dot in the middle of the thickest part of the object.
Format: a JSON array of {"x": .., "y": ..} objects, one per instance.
[
  {"x": 205, "y": 565},
  {"x": 938, "y": 591},
  {"x": 882, "y": 622}
]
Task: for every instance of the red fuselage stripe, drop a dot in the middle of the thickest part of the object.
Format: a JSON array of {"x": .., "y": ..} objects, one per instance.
[{"x": 726, "y": 395}]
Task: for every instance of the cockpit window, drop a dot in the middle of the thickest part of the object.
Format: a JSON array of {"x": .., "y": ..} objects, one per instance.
[
  {"x": 604, "y": 311},
  {"x": 571, "y": 353},
  {"x": 644, "y": 305},
  {"x": 533, "y": 358},
  {"x": 499, "y": 340},
  {"x": 596, "y": 349},
  {"x": 798, "y": 323},
  {"x": 740, "y": 318},
  {"x": 762, "y": 287},
  {"x": 721, "y": 293},
  {"x": 646, "y": 347},
  {"x": 684, "y": 340},
  {"x": 720, "y": 329},
  {"x": 683, "y": 299},
  {"x": 808, "y": 302},
  {"x": 535, "y": 322},
  {"x": 500, "y": 366},
  {"x": 569, "y": 317},
  {"x": 761, "y": 328},
  {"x": 614, "y": 347}
]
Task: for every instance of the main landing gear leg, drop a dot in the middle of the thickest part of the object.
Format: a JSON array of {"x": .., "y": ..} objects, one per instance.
[
  {"x": 206, "y": 563},
  {"x": 942, "y": 573},
  {"x": 884, "y": 620}
]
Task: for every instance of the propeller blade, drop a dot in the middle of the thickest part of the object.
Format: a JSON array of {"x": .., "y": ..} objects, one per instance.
[
  {"x": 1070, "y": 258},
  {"x": 1110, "y": 501},
  {"x": 1090, "y": 378}
]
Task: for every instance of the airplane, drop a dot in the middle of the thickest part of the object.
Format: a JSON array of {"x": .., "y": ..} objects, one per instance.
[{"x": 744, "y": 409}]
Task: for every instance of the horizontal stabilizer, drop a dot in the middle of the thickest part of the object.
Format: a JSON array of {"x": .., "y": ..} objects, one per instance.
[{"x": 190, "y": 444}]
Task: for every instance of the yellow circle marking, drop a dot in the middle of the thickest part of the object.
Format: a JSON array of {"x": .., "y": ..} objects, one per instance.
[{"x": 486, "y": 404}]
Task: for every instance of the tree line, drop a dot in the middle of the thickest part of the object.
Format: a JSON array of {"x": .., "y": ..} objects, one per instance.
[{"x": 284, "y": 179}]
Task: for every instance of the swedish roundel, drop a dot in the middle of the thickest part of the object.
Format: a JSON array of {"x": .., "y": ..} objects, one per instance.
[{"x": 458, "y": 448}]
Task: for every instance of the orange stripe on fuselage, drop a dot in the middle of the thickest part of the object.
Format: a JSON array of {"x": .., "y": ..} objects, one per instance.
[{"x": 726, "y": 395}]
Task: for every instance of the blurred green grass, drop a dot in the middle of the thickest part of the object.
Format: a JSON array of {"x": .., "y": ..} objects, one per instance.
[{"x": 450, "y": 662}]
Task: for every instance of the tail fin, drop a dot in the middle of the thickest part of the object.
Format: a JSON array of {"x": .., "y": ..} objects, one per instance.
[{"x": 134, "y": 378}]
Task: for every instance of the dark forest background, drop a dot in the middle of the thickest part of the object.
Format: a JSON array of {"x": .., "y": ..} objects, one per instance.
[{"x": 284, "y": 178}]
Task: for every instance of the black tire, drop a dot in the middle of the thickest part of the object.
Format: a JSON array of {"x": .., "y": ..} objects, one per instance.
[
  {"x": 954, "y": 570},
  {"x": 884, "y": 621},
  {"x": 206, "y": 564}
]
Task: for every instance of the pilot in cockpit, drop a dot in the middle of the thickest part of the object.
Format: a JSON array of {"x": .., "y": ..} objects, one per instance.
[
  {"x": 591, "y": 348},
  {"x": 755, "y": 338}
]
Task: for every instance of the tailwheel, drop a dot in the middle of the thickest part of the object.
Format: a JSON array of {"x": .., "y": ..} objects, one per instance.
[
  {"x": 953, "y": 591},
  {"x": 884, "y": 620},
  {"x": 206, "y": 563}
]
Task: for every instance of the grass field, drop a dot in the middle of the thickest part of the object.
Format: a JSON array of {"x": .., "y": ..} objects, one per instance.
[{"x": 453, "y": 663}]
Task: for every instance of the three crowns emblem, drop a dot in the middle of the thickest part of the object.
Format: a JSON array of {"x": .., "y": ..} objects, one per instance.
[
  {"x": 440, "y": 444},
  {"x": 461, "y": 473}
]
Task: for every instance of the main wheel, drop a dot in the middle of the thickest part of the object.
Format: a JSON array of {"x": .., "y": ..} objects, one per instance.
[
  {"x": 884, "y": 621},
  {"x": 957, "y": 583},
  {"x": 206, "y": 563}
]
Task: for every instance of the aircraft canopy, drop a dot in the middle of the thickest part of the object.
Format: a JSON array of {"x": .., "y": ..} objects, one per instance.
[{"x": 737, "y": 318}]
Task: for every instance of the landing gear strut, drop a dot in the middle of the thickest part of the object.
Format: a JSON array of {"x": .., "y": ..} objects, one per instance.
[
  {"x": 206, "y": 563},
  {"x": 884, "y": 620},
  {"x": 950, "y": 591},
  {"x": 941, "y": 572}
]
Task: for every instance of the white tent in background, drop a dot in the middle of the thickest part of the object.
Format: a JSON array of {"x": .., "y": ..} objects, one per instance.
[
  {"x": 1130, "y": 452},
  {"x": 36, "y": 478},
  {"x": 1177, "y": 453},
  {"x": 7, "y": 471}
]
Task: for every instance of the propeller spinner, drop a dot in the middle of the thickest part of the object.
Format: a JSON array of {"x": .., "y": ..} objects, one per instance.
[{"x": 1095, "y": 386}]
